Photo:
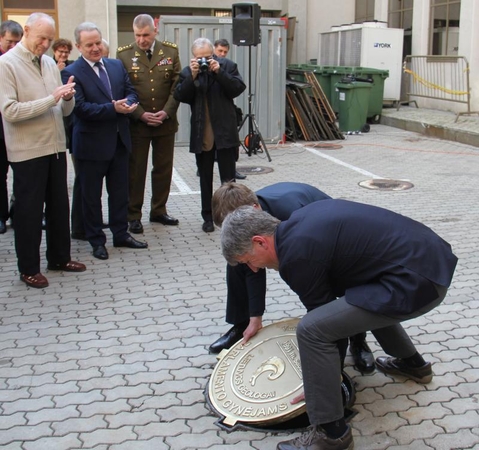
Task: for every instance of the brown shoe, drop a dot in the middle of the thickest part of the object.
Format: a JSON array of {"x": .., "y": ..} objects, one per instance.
[
  {"x": 70, "y": 266},
  {"x": 37, "y": 281},
  {"x": 315, "y": 439}
]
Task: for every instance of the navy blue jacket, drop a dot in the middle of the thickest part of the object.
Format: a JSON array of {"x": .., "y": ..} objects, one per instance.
[
  {"x": 282, "y": 199},
  {"x": 279, "y": 200},
  {"x": 380, "y": 260},
  {"x": 96, "y": 124}
]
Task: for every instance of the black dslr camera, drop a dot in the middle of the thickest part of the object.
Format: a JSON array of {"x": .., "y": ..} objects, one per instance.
[{"x": 204, "y": 63}]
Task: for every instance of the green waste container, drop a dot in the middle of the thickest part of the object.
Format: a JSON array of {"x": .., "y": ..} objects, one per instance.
[
  {"x": 337, "y": 73},
  {"x": 377, "y": 76},
  {"x": 376, "y": 98},
  {"x": 353, "y": 99},
  {"x": 296, "y": 72}
]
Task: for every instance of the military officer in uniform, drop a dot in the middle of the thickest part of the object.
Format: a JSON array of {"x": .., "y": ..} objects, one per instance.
[{"x": 153, "y": 68}]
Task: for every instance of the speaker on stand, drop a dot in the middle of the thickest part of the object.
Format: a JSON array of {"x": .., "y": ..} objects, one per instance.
[{"x": 247, "y": 32}]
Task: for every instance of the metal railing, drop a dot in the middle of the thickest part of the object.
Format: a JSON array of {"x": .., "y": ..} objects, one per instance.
[{"x": 441, "y": 78}]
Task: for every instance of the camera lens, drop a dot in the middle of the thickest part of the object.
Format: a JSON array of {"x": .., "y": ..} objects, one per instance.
[{"x": 203, "y": 63}]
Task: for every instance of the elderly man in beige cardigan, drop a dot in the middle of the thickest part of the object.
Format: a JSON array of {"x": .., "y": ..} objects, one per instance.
[{"x": 33, "y": 101}]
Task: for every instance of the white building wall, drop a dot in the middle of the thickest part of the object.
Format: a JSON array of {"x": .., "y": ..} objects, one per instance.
[
  {"x": 321, "y": 16},
  {"x": 469, "y": 45}
]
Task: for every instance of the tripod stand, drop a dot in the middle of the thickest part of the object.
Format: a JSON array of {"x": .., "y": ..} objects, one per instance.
[{"x": 254, "y": 140}]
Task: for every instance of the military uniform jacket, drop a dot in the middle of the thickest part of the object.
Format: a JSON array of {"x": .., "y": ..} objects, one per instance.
[{"x": 154, "y": 82}]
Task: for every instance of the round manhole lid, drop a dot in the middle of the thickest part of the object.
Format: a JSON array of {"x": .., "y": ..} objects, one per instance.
[
  {"x": 386, "y": 185},
  {"x": 326, "y": 146},
  {"x": 255, "y": 382},
  {"x": 254, "y": 170}
]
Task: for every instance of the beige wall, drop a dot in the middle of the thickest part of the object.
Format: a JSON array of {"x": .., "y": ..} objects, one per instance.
[
  {"x": 321, "y": 16},
  {"x": 101, "y": 12}
]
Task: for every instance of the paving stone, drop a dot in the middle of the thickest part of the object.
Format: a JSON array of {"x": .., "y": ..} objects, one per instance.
[
  {"x": 78, "y": 398},
  {"x": 105, "y": 408},
  {"x": 12, "y": 420},
  {"x": 453, "y": 423},
  {"x": 408, "y": 433},
  {"x": 132, "y": 418},
  {"x": 163, "y": 428},
  {"x": 433, "y": 411},
  {"x": 138, "y": 326},
  {"x": 150, "y": 444},
  {"x": 79, "y": 425},
  {"x": 194, "y": 440},
  {"x": 382, "y": 407},
  {"x": 58, "y": 443},
  {"x": 25, "y": 433},
  {"x": 463, "y": 439}
]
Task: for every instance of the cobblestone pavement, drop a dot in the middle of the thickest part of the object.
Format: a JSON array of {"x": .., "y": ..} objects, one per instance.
[{"x": 116, "y": 358}]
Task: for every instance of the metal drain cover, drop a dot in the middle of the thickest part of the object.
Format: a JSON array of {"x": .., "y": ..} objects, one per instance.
[
  {"x": 386, "y": 185},
  {"x": 254, "y": 170}
]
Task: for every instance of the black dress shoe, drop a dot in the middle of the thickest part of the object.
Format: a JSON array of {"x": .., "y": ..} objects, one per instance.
[
  {"x": 79, "y": 236},
  {"x": 208, "y": 226},
  {"x": 135, "y": 227},
  {"x": 3, "y": 227},
  {"x": 240, "y": 176},
  {"x": 100, "y": 252},
  {"x": 165, "y": 219},
  {"x": 130, "y": 242},
  {"x": 362, "y": 355},
  {"x": 232, "y": 336},
  {"x": 397, "y": 366}
]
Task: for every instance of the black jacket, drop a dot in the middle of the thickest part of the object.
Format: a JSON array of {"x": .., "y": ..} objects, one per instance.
[{"x": 219, "y": 89}]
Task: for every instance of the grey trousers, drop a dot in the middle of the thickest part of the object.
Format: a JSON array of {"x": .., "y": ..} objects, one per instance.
[{"x": 317, "y": 334}]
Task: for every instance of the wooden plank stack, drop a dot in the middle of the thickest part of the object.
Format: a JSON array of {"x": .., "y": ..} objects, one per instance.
[{"x": 309, "y": 115}]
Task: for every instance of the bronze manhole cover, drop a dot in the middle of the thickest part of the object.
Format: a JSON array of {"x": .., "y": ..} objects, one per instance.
[
  {"x": 326, "y": 146},
  {"x": 254, "y": 170},
  {"x": 386, "y": 185},
  {"x": 255, "y": 383}
]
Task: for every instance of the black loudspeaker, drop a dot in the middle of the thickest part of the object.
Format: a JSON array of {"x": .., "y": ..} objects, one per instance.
[{"x": 246, "y": 30}]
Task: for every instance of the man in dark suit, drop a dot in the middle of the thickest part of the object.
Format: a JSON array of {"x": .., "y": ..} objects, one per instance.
[
  {"x": 245, "y": 301},
  {"x": 209, "y": 85},
  {"x": 101, "y": 138},
  {"x": 355, "y": 268},
  {"x": 11, "y": 33},
  {"x": 153, "y": 68}
]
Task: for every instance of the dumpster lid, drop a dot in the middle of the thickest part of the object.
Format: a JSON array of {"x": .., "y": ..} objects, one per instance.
[
  {"x": 353, "y": 78},
  {"x": 255, "y": 383}
]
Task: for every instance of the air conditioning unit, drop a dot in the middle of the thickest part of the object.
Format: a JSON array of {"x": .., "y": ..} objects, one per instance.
[{"x": 370, "y": 44}]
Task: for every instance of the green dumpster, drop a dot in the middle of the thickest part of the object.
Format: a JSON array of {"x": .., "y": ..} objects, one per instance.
[
  {"x": 376, "y": 97},
  {"x": 353, "y": 99},
  {"x": 296, "y": 72},
  {"x": 337, "y": 73}
]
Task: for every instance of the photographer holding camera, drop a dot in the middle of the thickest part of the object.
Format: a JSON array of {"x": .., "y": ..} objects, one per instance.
[{"x": 209, "y": 85}]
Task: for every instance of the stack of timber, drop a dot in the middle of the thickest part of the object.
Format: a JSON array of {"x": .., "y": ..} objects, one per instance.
[{"x": 309, "y": 116}]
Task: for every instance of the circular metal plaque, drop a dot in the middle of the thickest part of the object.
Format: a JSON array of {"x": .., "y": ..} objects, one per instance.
[{"x": 255, "y": 382}]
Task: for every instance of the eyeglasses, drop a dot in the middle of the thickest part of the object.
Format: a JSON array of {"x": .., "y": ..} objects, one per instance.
[{"x": 64, "y": 52}]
